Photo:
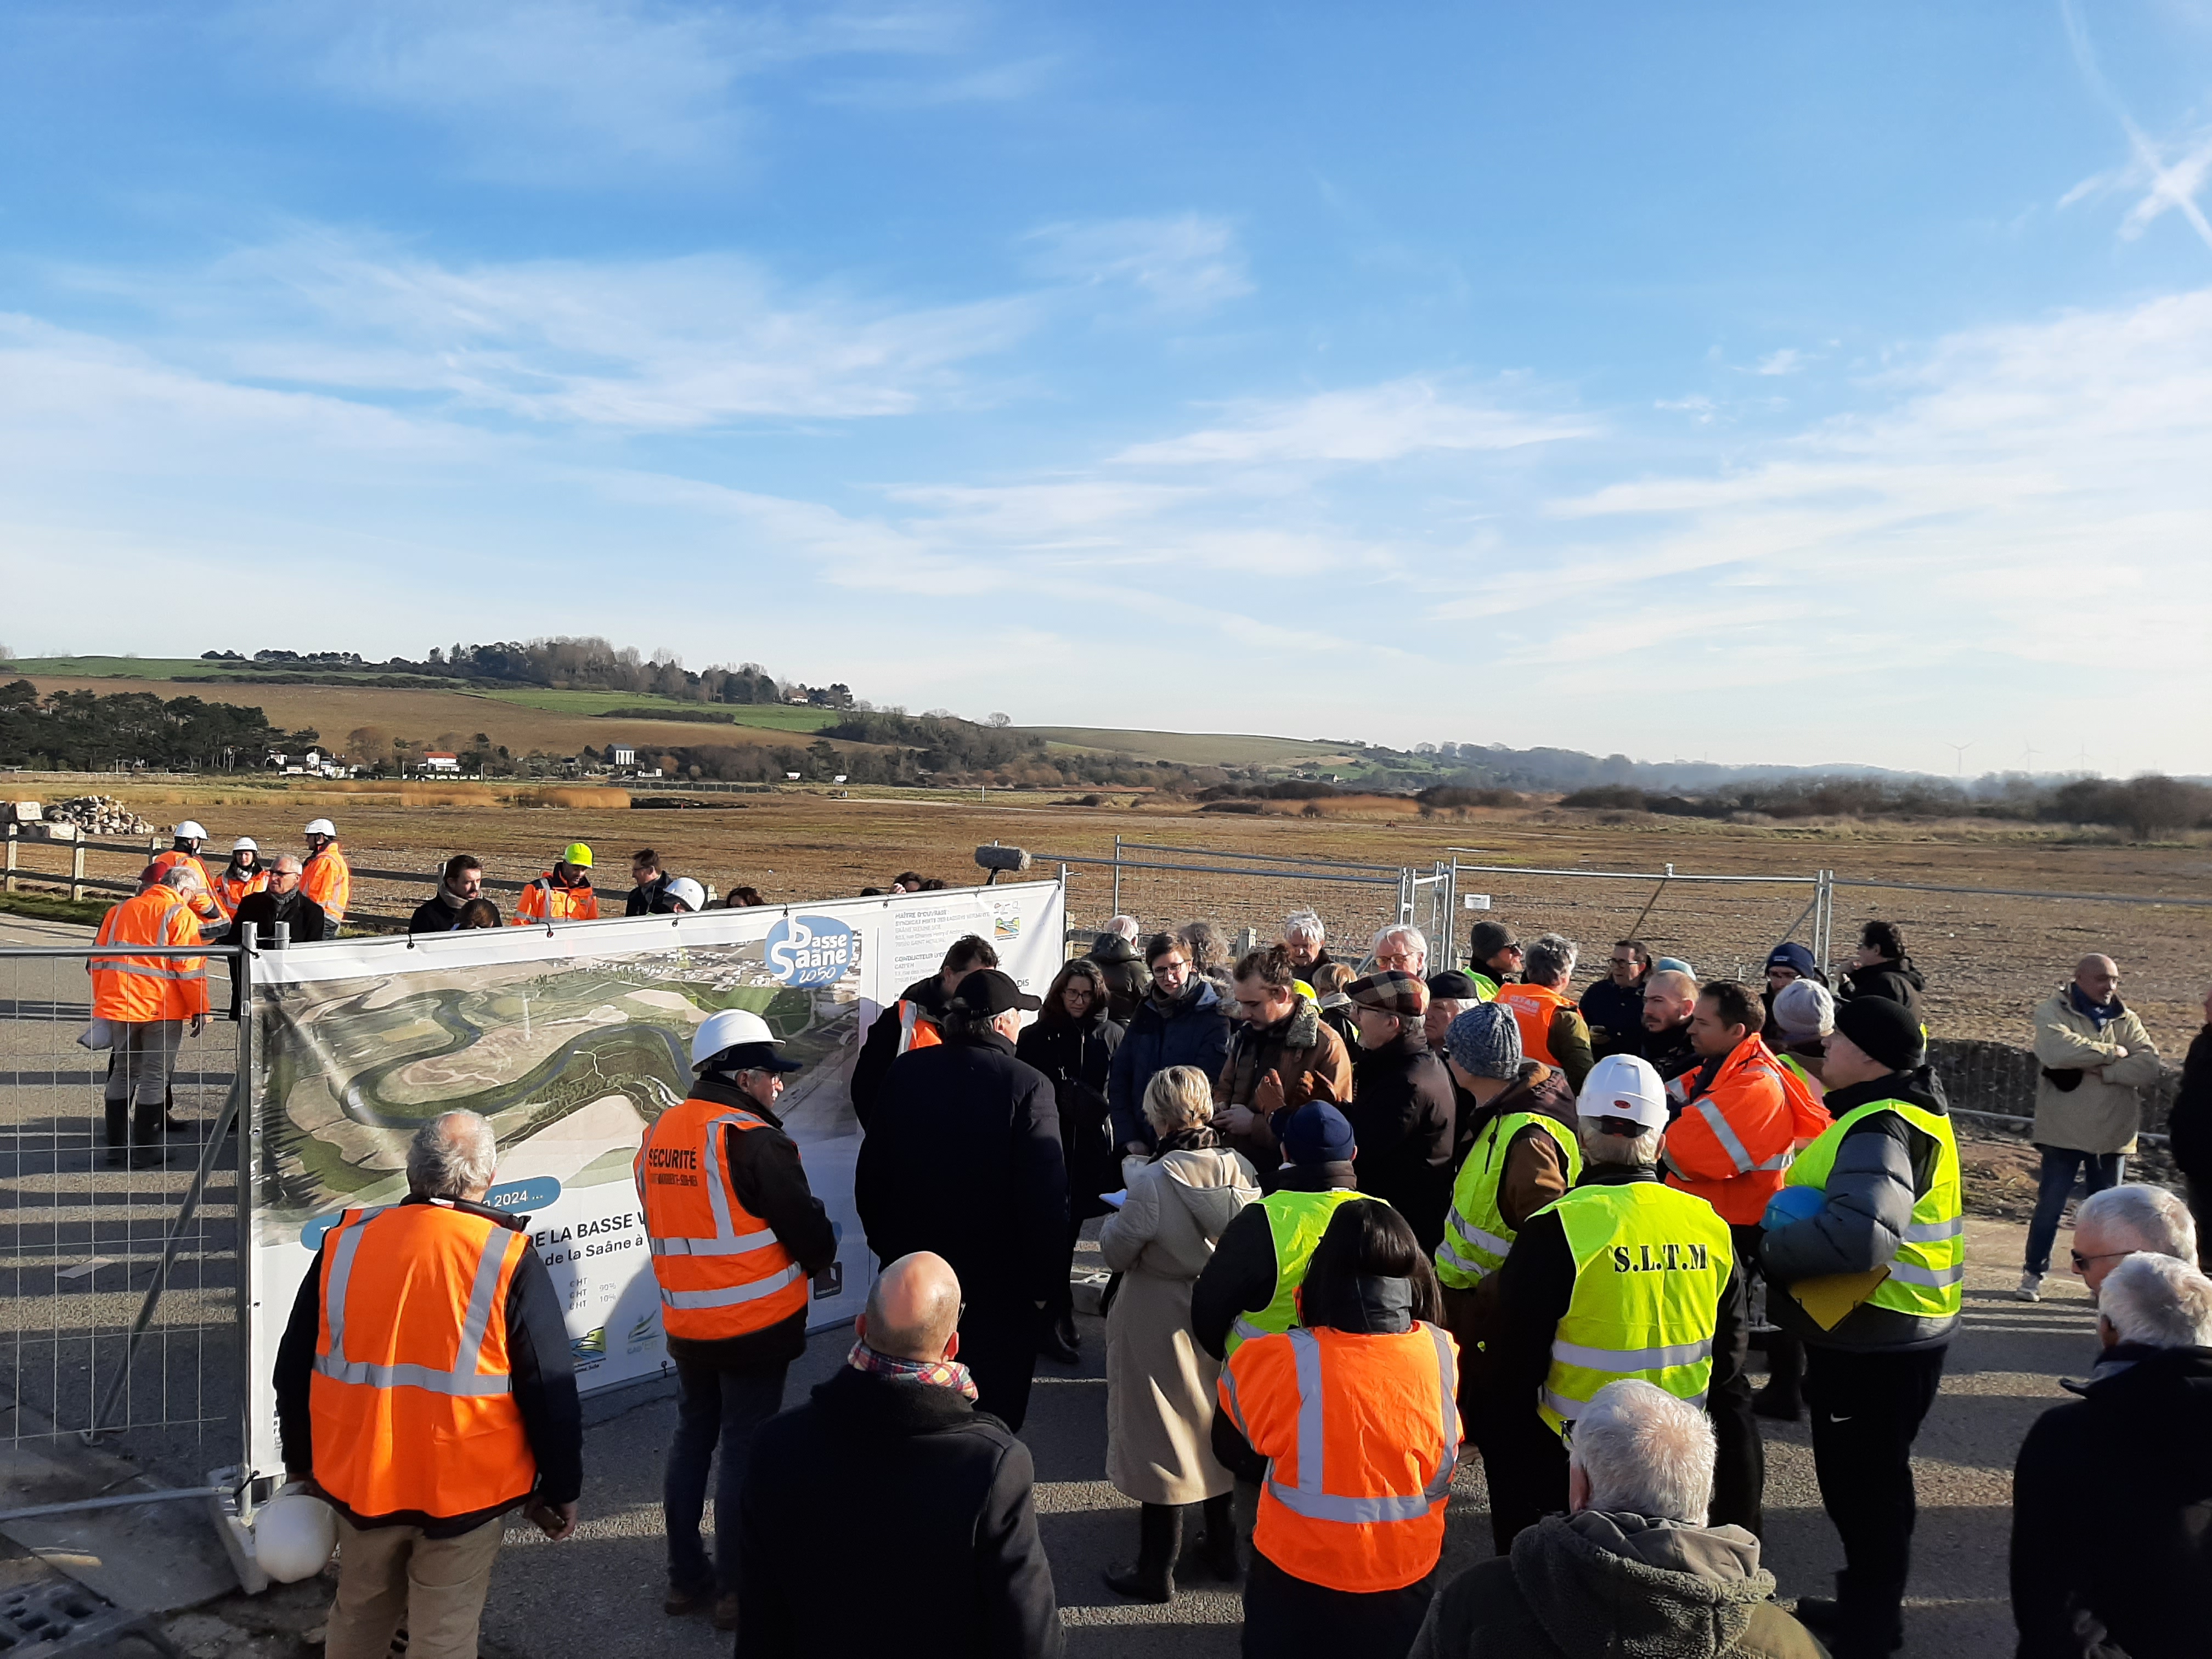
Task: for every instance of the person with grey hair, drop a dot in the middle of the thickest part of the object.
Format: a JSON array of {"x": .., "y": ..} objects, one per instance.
[
  {"x": 1400, "y": 948},
  {"x": 1207, "y": 947},
  {"x": 422, "y": 1457},
  {"x": 1126, "y": 925},
  {"x": 146, "y": 1002},
  {"x": 1553, "y": 1029},
  {"x": 279, "y": 902},
  {"x": 1632, "y": 1566},
  {"x": 2123, "y": 1221},
  {"x": 2112, "y": 1520},
  {"x": 1307, "y": 940}
]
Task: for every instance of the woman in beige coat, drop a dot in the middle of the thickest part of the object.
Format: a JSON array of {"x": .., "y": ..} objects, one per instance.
[{"x": 1159, "y": 1383}]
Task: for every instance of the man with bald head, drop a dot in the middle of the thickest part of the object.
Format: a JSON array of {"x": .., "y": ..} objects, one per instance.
[
  {"x": 1670, "y": 997},
  {"x": 928, "y": 1498},
  {"x": 2095, "y": 1059}
]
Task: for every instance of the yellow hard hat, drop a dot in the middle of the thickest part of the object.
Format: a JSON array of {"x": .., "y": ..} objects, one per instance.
[{"x": 577, "y": 853}]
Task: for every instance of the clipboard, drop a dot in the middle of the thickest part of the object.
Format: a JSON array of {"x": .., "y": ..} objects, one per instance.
[{"x": 1832, "y": 1296}]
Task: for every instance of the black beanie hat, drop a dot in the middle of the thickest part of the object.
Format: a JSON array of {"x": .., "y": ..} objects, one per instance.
[{"x": 1885, "y": 1030}]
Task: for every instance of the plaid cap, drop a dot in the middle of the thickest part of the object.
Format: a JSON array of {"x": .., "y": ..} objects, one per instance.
[{"x": 1391, "y": 993}]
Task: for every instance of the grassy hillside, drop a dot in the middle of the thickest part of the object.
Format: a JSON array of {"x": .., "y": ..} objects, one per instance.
[
  {"x": 127, "y": 668},
  {"x": 1194, "y": 747},
  {"x": 765, "y": 716}
]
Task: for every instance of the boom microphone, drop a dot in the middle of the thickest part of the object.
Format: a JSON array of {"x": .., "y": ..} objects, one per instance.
[{"x": 995, "y": 858}]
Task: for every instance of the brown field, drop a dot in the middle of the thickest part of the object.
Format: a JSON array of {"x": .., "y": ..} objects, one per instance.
[
  {"x": 427, "y": 716},
  {"x": 1988, "y": 959}
]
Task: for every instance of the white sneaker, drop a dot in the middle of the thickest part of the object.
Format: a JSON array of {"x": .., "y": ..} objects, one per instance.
[{"x": 2031, "y": 1287}]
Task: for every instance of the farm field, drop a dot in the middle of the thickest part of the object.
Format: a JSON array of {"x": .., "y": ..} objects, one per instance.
[
  {"x": 1988, "y": 957},
  {"x": 1192, "y": 748}
]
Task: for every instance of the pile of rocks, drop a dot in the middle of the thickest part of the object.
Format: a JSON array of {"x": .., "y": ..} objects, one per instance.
[{"x": 98, "y": 814}]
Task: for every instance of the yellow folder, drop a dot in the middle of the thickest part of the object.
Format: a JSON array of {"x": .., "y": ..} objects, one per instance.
[{"x": 1830, "y": 1297}]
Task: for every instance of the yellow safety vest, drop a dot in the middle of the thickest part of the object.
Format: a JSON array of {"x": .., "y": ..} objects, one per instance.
[
  {"x": 1296, "y": 1222},
  {"x": 1476, "y": 1236},
  {"x": 1927, "y": 1277}
]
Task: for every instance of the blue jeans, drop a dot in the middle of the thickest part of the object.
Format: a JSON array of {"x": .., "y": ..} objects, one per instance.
[
  {"x": 713, "y": 1407},
  {"x": 2060, "y": 1165}
]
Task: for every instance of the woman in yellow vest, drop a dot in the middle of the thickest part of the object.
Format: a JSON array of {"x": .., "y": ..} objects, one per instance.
[
  {"x": 1866, "y": 1248},
  {"x": 1351, "y": 1414}
]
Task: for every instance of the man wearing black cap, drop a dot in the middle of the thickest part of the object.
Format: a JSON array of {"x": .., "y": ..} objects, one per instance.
[
  {"x": 962, "y": 1158},
  {"x": 1493, "y": 956},
  {"x": 1865, "y": 1248},
  {"x": 1402, "y": 1107}
]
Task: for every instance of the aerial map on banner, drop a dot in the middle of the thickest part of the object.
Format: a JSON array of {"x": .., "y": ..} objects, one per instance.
[{"x": 571, "y": 1039}]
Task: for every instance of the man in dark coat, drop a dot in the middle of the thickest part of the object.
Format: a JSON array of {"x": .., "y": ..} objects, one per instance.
[
  {"x": 2112, "y": 1520},
  {"x": 922, "y": 1003},
  {"x": 461, "y": 884},
  {"x": 1182, "y": 1021},
  {"x": 962, "y": 1157},
  {"x": 1881, "y": 970},
  {"x": 1614, "y": 1005},
  {"x": 1670, "y": 997},
  {"x": 1401, "y": 1103},
  {"x": 280, "y": 901},
  {"x": 648, "y": 894},
  {"x": 927, "y": 1498},
  {"x": 2190, "y": 1127},
  {"x": 1126, "y": 981}
]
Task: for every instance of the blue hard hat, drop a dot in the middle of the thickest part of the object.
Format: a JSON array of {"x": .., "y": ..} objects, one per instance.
[{"x": 1792, "y": 1204}]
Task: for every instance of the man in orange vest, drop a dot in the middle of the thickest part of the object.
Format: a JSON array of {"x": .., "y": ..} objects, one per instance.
[
  {"x": 1741, "y": 1114},
  {"x": 1553, "y": 1029},
  {"x": 326, "y": 879},
  {"x": 911, "y": 1022},
  {"x": 562, "y": 893},
  {"x": 185, "y": 845},
  {"x": 423, "y": 1387},
  {"x": 147, "y": 1001},
  {"x": 736, "y": 1234}
]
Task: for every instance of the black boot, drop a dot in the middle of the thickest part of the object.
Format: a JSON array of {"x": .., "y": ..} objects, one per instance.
[
  {"x": 1061, "y": 1341},
  {"x": 1217, "y": 1551},
  {"x": 1861, "y": 1622},
  {"x": 1782, "y": 1398},
  {"x": 1159, "y": 1541},
  {"x": 147, "y": 1151},
  {"x": 118, "y": 1129}
]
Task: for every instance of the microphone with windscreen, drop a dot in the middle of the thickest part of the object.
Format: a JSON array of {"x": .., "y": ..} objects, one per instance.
[{"x": 995, "y": 859}]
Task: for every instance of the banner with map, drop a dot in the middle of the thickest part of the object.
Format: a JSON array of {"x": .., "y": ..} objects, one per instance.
[{"x": 571, "y": 1038}]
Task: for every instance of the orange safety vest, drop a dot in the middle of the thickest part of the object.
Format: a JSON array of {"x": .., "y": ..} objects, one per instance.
[
  {"x": 230, "y": 891},
  {"x": 918, "y": 1027},
  {"x": 412, "y": 1402},
  {"x": 1533, "y": 1006},
  {"x": 1361, "y": 1434},
  {"x": 545, "y": 900},
  {"x": 327, "y": 880},
  {"x": 137, "y": 989},
  {"x": 722, "y": 1270},
  {"x": 1732, "y": 1145},
  {"x": 208, "y": 905}
]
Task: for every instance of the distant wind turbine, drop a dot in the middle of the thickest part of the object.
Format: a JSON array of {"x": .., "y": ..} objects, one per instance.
[
  {"x": 2028, "y": 751},
  {"x": 1961, "y": 748}
]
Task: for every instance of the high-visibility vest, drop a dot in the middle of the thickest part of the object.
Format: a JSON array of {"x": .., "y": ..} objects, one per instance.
[
  {"x": 1476, "y": 1234},
  {"x": 917, "y": 1027},
  {"x": 207, "y": 904},
  {"x": 1296, "y": 1222},
  {"x": 1730, "y": 1145},
  {"x": 546, "y": 900},
  {"x": 1533, "y": 1006},
  {"x": 231, "y": 889},
  {"x": 136, "y": 988},
  {"x": 721, "y": 1269},
  {"x": 1361, "y": 1433},
  {"x": 1815, "y": 1091},
  {"x": 327, "y": 880},
  {"x": 1650, "y": 1266},
  {"x": 1927, "y": 1276},
  {"x": 411, "y": 1396},
  {"x": 1485, "y": 988}
]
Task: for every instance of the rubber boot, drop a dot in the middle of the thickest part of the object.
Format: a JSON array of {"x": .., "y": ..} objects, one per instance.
[
  {"x": 1159, "y": 1541},
  {"x": 118, "y": 1119},
  {"x": 1782, "y": 1398},
  {"x": 147, "y": 1151},
  {"x": 1217, "y": 1551}
]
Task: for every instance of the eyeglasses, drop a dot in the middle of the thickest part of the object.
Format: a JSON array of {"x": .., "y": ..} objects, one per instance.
[{"x": 2082, "y": 1262}]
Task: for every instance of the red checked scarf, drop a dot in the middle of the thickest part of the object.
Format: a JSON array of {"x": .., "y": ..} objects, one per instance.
[{"x": 938, "y": 1373}]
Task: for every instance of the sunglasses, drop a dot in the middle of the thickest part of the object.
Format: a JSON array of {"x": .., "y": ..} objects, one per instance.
[{"x": 2082, "y": 1262}]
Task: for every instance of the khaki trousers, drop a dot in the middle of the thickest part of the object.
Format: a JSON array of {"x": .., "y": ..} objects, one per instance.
[{"x": 393, "y": 1575}]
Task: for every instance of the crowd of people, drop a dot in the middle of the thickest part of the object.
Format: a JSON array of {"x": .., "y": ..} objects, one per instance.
[{"x": 1363, "y": 1216}]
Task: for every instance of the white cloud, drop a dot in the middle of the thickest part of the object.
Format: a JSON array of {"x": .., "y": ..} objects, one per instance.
[
  {"x": 1186, "y": 263},
  {"x": 1370, "y": 424},
  {"x": 2169, "y": 174},
  {"x": 1788, "y": 360}
]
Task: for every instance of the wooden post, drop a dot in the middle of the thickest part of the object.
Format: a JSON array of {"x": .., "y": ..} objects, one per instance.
[
  {"x": 76, "y": 872},
  {"x": 13, "y": 838}
]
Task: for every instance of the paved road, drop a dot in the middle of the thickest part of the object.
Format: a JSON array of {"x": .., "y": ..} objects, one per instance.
[{"x": 2004, "y": 1370}]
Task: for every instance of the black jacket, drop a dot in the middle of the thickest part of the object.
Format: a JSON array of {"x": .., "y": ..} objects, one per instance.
[
  {"x": 880, "y": 1048},
  {"x": 962, "y": 1156},
  {"x": 1401, "y": 1117},
  {"x": 263, "y": 911},
  {"x": 543, "y": 1382},
  {"x": 1239, "y": 1277},
  {"x": 1193, "y": 1030},
  {"x": 769, "y": 1181},
  {"x": 1894, "y": 981},
  {"x": 1076, "y": 1057},
  {"x": 1127, "y": 979},
  {"x": 1882, "y": 1168},
  {"x": 435, "y": 916},
  {"x": 2189, "y": 1123},
  {"x": 650, "y": 900},
  {"x": 884, "y": 1493},
  {"x": 1620, "y": 1011},
  {"x": 1670, "y": 1051},
  {"x": 2111, "y": 1514}
]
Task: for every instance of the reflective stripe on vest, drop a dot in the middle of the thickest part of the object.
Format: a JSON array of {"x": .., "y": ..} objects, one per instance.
[
  {"x": 1476, "y": 1236},
  {"x": 1928, "y": 1275},
  {"x": 1311, "y": 1496},
  {"x": 1650, "y": 1266},
  {"x": 1296, "y": 1222},
  {"x": 462, "y": 1378},
  {"x": 757, "y": 1265},
  {"x": 1724, "y": 1132}
]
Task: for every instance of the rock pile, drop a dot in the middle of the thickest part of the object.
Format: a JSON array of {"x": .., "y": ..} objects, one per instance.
[{"x": 98, "y": 814}]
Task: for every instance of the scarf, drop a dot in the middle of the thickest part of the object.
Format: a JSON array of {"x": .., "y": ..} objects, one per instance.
[
  {"x": 936, "y": 1373},
  {"x": 2102, "y": 1013},
  {"x": 1192, "y": 1138}
]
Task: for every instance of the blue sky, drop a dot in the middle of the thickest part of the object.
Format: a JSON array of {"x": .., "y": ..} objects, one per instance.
[{"x": 1804, "y": 384}]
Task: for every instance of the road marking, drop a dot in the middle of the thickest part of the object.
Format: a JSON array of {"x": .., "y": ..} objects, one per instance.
[{"x": 84, "y": 1268}]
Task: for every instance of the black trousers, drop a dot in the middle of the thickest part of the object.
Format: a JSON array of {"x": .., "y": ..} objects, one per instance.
[
  {"x": 998, "y": 1345},
  {"x": 1867, "y": 1409},
  {"x": 1285, "y": 1617}
]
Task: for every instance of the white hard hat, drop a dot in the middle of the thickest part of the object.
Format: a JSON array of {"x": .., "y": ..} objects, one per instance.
[
  {"x": 321, "y": 827},
  {"x": 294, "y": 1534},
  {"x": 188, "y": 830},
  {"x": 1624, "y": 1086},
  {"x": 245, "y": 844},
  {"x": 729, "y": 1029},
  {"x": 689, "y": 892}
]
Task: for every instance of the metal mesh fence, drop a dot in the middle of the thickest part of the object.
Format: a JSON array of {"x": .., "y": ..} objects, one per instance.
[{"x": 92, "y": 1225}]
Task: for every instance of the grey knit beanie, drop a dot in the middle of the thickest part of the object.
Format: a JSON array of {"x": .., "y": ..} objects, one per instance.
[{"x": 1486, "y": 1042}]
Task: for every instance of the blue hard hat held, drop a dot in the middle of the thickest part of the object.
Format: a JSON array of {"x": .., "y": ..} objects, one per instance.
[{"x": 1792, "y": 1204}]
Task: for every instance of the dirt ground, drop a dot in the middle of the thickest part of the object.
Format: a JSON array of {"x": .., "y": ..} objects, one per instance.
[{"x": 1988, "y": 959}]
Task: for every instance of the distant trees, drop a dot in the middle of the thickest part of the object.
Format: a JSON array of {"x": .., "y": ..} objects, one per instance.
[{"x": 83, "y": 731}]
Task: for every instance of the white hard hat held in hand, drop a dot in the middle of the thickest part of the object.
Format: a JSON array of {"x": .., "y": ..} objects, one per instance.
[{"x": 294, "y": 1534}]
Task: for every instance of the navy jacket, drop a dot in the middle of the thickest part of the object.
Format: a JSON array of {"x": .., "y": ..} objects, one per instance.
[{"x": 1193, "y": 1032}]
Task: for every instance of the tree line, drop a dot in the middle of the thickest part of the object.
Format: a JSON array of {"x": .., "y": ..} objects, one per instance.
[{"x": 84, "y": 730}]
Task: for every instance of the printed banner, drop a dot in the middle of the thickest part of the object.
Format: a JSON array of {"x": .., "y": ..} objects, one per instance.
[{"x": 571, "y": 1038}]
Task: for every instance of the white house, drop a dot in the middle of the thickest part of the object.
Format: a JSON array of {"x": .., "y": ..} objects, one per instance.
[
  {"x": 621, "y": 754},
  {"x": 433, "y": 760}
]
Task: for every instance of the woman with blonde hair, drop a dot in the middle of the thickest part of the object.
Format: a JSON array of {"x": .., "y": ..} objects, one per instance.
[{"x": 1159, "y": 1383}]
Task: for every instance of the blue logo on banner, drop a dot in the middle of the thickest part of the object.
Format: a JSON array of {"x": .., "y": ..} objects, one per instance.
[
  {"x": 534, "y": 1193},
  {"x": 806, "y": 951}
]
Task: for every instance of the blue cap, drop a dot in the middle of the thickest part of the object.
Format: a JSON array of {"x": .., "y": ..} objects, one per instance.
[
  {"x": 1672, "y": 965},
  {"x": 1317, "y": 1134},
  {"x": 1789, "y": 954}
]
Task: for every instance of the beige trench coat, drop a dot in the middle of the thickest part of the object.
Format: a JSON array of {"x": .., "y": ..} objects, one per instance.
[
  {"x": 2103, "y": 1111},
  {"x": 1159, "y": 1383}
]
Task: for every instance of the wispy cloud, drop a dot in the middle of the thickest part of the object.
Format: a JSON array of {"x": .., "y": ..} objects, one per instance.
[
  {"x": 1369, "y": 424},
  {"x": 1788, "y": 360},
  {"x": 1186, "y": 263},
  {"x": 2169, "y": 175}
]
